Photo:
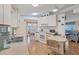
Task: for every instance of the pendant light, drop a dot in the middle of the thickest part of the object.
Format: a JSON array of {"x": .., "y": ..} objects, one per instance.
[
  {"x": 55, "y": 9},
  {"x": 35, "y": 5},
  {"x": 35, "y": 14}
]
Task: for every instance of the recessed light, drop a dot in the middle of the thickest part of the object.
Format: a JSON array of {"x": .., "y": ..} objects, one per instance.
[
  {"x": 35, "y": 5},
  {"x": 34, "y": 13},
  {"x": 55, "y": 10}
]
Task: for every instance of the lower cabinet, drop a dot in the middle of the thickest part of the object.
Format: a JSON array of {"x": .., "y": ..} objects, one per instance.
[{"x": 4, "y": 42}]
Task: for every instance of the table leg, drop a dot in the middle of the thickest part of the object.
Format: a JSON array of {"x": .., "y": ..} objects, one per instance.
[{"x": 61, "y": 48}]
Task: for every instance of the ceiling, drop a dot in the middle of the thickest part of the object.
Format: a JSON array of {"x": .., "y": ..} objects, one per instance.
[{"x": 42, "y": 9}]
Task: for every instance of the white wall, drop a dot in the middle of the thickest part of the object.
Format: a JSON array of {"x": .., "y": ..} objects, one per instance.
[
  {"x": 77, "y": 25},
  {"x": 73, "y": 18},
  {"x": 14, "y": 19},
  {"x": 21, "y": 26},
  {"x": 60, "y": 27}
]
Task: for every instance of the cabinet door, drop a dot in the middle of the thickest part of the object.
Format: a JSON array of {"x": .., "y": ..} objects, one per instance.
[
  {"x": 47, "y": 21},
  {"x": 52, "y": 20},
  {"x": 1, "y": 14},
  {"x": 43, "y": 21},
  {"x": 7, "y": 14},
  {"x": 1, "y": 43}
]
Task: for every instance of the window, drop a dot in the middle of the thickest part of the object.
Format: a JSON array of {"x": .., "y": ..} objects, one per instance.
[{"x": 70, "y": 26}]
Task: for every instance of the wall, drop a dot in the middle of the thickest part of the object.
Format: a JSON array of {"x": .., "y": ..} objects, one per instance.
[
  {"x": 14, "y": 19},
  {"x": 61, "y": 24},
  {"x": 21, "y": 31},
  {"x": 21, "y": 26},
  {"x": 77, "y": 25},
  {"x": 73, "y": 18}
]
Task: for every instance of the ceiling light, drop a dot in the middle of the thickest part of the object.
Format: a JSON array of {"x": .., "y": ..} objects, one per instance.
[
  {"x": 55, "y": 10},
  {"x": 34, "y": 13},
  {"x": 35, "y": 5}
]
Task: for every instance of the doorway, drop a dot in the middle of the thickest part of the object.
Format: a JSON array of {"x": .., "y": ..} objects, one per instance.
[{"x": 31, "y": 29}]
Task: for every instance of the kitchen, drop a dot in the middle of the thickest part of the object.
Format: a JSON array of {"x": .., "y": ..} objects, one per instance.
[
  {"x": 43, "y": 24},
  {"x": 48, "y": 25}
]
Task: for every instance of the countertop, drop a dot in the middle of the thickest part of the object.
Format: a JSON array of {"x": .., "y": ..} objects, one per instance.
[{"x": 50, "y": 36}]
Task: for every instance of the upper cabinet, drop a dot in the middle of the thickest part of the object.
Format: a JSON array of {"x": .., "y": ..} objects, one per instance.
[
  {"x": 52, "y": 20},
  {"x": 5, "y": 14},
  {"x": 47, "y": 21},
  {"x": 1, "y": 14}
]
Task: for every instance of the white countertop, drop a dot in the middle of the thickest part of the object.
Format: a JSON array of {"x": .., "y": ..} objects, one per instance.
[{"x": 57, "y": 38}]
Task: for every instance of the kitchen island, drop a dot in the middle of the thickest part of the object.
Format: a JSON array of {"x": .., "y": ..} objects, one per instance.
[{"x": 62, "y": 41}]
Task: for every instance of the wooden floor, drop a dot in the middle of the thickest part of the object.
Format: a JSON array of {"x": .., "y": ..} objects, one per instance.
[
  {"x": 73, "y": 48},
  {"x": 37, "y": 48},
  {"x": 19, "y": 48}
]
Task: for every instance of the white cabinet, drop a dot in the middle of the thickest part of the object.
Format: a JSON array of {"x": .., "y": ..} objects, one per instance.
[
  {"x": 47, "y": 21},
  {"x": 42, "y": 21},
  {"x": 1, "y": 14},
  {"x": 5, "y": 13},
  {"x": 52, "y": 20}
]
